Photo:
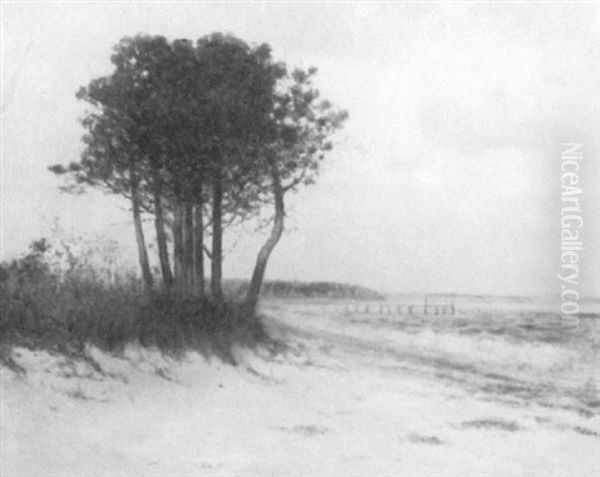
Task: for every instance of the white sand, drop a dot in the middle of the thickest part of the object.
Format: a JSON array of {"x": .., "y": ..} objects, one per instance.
[{"x": 340, "y": 401}]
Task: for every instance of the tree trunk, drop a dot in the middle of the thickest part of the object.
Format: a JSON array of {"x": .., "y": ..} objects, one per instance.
[
  {"x": 263, "y": 256},
  {"x": 139, "y": 236},
  {"x": 178, "y": 246},
  {"x": 188, "y": 244},
  {"x": 161, "y": 239},
  {"x": 217, "y": 242},
  {"x": 198, "y": 250}
]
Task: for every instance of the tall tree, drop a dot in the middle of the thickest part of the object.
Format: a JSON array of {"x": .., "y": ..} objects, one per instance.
[
  {"x": 295, "y": 145},
  {"x": 239, "y": 82},
  {"x": 111, "y": 162},
  {"x": 120, "y": 152}
]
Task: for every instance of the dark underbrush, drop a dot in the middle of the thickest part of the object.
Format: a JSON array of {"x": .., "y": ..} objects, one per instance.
[{"x": 40, "y": 308}]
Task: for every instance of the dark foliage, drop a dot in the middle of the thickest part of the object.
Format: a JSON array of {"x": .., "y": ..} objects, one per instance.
[
  {"x": 40, "y": 310},
  {"x": 298, "y": 289}
]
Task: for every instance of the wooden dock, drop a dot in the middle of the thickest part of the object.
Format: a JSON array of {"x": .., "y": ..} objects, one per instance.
[{"x": 396, "y": 308}]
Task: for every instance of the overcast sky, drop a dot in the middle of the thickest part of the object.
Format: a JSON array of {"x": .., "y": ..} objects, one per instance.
[{"x": 445, "y": 178}]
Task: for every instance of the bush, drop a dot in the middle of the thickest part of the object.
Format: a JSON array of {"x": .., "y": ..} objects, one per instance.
[{"x": 39, "y": 308}]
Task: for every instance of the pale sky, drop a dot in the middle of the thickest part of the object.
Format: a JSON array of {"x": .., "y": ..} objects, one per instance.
[{"x": 445, "y": 178}]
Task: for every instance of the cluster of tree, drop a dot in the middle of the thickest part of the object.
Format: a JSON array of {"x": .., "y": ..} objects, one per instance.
[{"x": 202, "y": 135}]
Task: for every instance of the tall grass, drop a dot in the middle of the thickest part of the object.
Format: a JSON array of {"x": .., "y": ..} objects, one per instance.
[{"x": 43, "y": 307}]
